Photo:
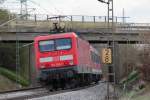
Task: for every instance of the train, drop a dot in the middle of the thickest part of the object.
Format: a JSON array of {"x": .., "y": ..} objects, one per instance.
[{"x": 65, "y": 60}]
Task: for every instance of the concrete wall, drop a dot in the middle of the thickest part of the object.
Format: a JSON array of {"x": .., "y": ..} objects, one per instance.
[
  {"x": 27, "y": 62},
  {"x": 125, "y": 59}
]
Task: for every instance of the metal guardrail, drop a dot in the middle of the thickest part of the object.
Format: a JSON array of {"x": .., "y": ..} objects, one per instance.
[
  {"x": 80, "y": 18},
  {"x": 72, "y": 22},
  {"x": 134, "y": 26}
]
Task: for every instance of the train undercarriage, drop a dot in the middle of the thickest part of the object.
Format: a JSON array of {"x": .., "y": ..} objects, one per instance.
[{"x": 66, "y": 78}]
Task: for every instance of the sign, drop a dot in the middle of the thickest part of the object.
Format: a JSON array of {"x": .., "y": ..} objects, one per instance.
[{"x": 107, "y": 56}]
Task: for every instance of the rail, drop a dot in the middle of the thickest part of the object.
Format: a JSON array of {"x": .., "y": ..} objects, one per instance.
[{"x": 38, "y": 92}]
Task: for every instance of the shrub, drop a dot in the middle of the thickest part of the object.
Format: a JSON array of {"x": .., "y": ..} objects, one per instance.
[{"x": 13, "y": 76}]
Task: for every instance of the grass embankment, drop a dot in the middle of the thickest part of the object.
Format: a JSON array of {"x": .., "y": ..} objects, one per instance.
[
  {"x": 137, "y": 88},
  {"x": 13, "y": 76},
  {"x": 141, "y": 94},
  {"x": 133, "y": 76}
]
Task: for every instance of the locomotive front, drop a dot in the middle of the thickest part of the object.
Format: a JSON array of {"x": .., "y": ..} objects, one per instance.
[{"x": 55, "y": 56}]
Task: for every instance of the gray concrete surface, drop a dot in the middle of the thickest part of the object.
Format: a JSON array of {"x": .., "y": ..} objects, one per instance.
[{"x": 97, "y": 92}]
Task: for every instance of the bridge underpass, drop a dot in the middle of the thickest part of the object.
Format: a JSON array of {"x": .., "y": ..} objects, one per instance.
[
  {"x": 96, "y": 32},
  {"x": 89, "y": 36},
  {"x": 98, "y": 40}
]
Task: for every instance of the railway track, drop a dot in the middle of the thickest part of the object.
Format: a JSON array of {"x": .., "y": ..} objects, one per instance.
[
  {"x": 18, "y": 90},
  {"x": 20, "y": 93},
  {"x": 35, "y": 92}
]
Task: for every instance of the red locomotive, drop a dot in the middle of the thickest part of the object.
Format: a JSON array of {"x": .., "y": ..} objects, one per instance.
[{"x": 65, "y": 58}]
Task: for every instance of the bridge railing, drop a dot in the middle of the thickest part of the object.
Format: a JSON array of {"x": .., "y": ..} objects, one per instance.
[
  {"x": 75, "y": 22},
  {"x": 133, "y": 26},
  {"x": 81, "y": 18},
  {"x": 42, "y": 22}
]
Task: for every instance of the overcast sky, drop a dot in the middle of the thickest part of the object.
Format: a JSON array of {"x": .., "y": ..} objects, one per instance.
[{"x": 137, "y": 10}]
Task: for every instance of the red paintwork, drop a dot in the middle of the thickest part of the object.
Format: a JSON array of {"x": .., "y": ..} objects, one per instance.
[
  {"x": 55, "y": 54},
  {"x": 81, "y": 51},
  {"x": 84, "y": 58},
  {"x": 84, "y": 54}
]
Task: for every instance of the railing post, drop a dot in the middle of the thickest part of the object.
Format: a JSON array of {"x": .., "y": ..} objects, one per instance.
[
  {"x": 105, "y": 19},
  {"x": 35, "y": 18},
  {"x": 47, "y": 17},
  {"x": 71, "y": 18},
  {"x": 94, "y": 18},
  {"x": 116, "y": 19},
  {"x": 82, "y": 19}
]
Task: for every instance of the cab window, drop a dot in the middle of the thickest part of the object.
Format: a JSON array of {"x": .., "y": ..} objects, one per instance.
[
  {"x": 63, "y": 44},
  {"x": 47, "y": 45},
  {"x": 57, "y": 44}
]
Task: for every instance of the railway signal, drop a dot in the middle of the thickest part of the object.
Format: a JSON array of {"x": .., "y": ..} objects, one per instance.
[{"x": 106, "y": 56}]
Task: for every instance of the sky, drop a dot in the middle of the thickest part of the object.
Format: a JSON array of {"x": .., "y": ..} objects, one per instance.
[{"x": 136, "y": 10}]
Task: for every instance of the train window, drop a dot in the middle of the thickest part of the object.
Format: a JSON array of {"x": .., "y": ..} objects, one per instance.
[
  {"x": 63, "y": 44},
  {"x": 95, "y": 58},
  {"x": 46, "y": 45}
]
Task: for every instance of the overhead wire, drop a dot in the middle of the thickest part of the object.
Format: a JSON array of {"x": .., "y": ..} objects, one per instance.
[
  {"x": 59, "y": 10},
  {"x": 58, "y": 16},
  {"x": 41, "y": 7},
  {"x": 65, "y": 16},
  {"x": 48, "y": 10}
]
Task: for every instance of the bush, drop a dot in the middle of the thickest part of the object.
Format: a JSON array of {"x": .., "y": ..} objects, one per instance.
[
  {"x": 134, "y": 75},
  {"x": 12, "y": 76},
  {"x": 145, "y": 70},
  {"x": 8, "y": 55}
]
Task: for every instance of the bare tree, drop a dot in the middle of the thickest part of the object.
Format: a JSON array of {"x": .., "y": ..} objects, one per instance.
[
  {"x": 128, "y": 58},
  {"x": 144, "y": 55},
  {"x": 2, "y": 1}
]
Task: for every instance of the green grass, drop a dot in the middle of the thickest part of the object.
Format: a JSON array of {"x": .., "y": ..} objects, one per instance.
[
  {"x": 136, "y": 95},
  {"x": 12, "y": 76},
  {"x": 134, "y": 75}
]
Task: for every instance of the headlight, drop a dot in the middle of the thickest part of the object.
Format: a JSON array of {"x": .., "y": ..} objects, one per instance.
[
  {"x": 66, "y": 57},
  {"x": 71, "y": 62},
  {"x": 42, "y": 66},
  {"x": 46, "y": 59}
]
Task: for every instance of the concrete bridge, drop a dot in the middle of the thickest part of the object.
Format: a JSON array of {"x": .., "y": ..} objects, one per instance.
[
  {"x": 91, "y": 28},
  {"x": 96, "y": 32},
  {"x": 92, "y": 37}
]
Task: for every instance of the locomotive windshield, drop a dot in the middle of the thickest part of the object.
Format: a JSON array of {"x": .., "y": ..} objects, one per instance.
[
  {"x": 57, "y": 44},
  {"x": 46, "y": 45},
  {"x": 62, "y": 44}
]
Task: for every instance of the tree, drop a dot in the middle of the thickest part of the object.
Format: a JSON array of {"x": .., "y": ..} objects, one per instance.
[
  {"x": 8, "y": 55},
  {"x": 144, "y": 55},
  {"x": 2, "y": 1},
  {"x": 4, "y": 15}
]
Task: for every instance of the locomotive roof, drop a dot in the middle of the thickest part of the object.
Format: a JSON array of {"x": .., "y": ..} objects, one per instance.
[{"x": 53, "y": 36}]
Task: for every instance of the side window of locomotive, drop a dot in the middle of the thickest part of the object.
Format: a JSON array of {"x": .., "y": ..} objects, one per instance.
[
  {"x": 98, "y": 59},
  {"x": 46, "y": 45},
  {"x": 63, "y": 44},
  {"x": 95, "y": 58}
]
